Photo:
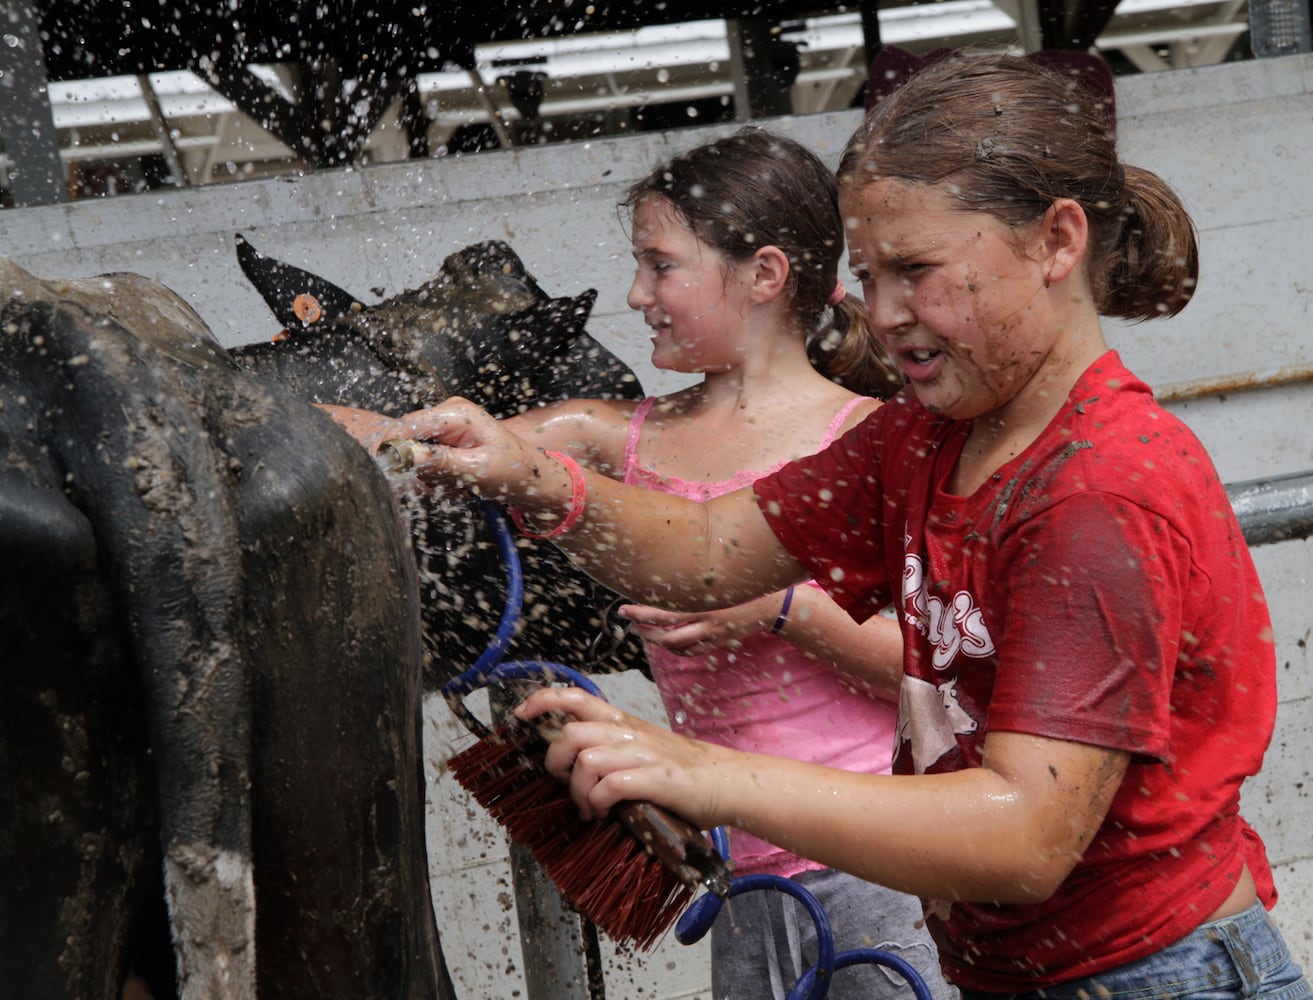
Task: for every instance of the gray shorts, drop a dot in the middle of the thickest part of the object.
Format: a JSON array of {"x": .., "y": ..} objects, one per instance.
[{"x": 763, "y": 941}]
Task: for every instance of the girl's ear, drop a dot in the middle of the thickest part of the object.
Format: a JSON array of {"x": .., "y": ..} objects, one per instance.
[
  {"x": 1066, "y": 232},
  {"x": 770, "y": 272}
]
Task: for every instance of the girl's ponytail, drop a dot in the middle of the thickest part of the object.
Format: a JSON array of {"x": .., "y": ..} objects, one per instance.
[
  {"x": 1154, "y": 265},
  {"x": 847, "y": 352}
]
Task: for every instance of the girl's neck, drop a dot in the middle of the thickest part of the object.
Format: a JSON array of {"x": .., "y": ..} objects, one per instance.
[
  {"x": 746, "y": 418},
  {"x": 1000, "y": 436},
  {"x": 766, "y": 377}
]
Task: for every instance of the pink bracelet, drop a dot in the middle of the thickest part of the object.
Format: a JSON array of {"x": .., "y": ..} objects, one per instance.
[{"x": 578, "y": 496}]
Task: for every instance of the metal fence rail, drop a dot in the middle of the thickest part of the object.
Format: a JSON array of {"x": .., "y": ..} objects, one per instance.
[{"x": 1276, "y": 509}]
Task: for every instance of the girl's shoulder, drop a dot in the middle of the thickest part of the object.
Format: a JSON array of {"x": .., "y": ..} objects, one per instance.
[
  {"x": 839, "y": 412},
  {"x": 856, "y": 411},
  {"x": 598, "y": 414}
]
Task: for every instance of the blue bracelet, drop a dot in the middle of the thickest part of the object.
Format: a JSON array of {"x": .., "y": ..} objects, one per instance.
[{"x": 778, "y": 627}]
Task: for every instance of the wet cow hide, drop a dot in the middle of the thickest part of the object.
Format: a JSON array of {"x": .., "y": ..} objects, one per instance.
[
  {"x": 482, "y": 329},
  {"x": 212, "y": 672}
]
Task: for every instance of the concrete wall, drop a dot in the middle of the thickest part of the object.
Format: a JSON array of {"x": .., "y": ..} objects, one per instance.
[{"x": 1235, "y": 140}]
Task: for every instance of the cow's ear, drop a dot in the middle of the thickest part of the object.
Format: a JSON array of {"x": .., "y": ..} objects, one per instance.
[
  {"x": 298, "y": 299},
  {"x": 556, "y": 324},
  {"x": 583, "y": 305}
]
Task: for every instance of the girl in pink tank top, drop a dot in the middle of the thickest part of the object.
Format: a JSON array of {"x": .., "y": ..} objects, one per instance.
[
  {"x": 737, "y": 246},
  {"x": 763, "y": 693}
]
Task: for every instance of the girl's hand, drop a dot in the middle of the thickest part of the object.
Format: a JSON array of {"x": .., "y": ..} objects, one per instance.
[
  {"x": 687, "y": 633},
  {"x": 607, "y": 756},
  {"x": 463, "y": 446}
]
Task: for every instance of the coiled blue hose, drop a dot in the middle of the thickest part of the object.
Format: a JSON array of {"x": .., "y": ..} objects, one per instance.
[{"x": 694, "y": 923}]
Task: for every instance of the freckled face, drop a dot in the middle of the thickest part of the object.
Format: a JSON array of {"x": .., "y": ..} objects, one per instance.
[
  {"x": 692, "y": 300},
  {"x": 948, "y": 294}
]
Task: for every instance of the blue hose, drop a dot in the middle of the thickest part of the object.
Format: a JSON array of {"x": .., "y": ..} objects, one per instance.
[
  {"x": 694, "y": 923},
  {"x": 815, "y": 982},
  {"x": 519, "y": 670},
  {"x": 489, "y": 669},
  {"x": 514, "y": 592}
]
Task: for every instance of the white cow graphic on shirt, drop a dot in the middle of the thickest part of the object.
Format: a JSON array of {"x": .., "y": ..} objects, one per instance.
[{"x": 930, "y": 717}]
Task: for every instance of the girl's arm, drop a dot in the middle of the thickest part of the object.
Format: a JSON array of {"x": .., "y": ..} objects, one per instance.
[
  {"x": 369, "y": 428},
  {"x": 592, "y": 430},
  {"x": 659, "y": 549},
  {"x": 870, "y": 652},
  {"x": 1008, "y": 831}
]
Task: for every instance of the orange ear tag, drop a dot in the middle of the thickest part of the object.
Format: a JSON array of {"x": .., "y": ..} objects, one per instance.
[{"x": 307, "y": 308}]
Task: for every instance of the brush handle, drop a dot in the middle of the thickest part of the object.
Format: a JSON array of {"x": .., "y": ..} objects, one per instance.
[{"x": 681, "y": 847}]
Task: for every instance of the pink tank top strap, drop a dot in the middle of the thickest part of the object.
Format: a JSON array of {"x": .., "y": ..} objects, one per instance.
[
  {"x": 635, "y": 428},
  {"x": 836, "y": 425}
]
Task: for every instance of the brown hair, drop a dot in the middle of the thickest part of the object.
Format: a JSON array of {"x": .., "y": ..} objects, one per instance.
[
  {"x": 756, "y": 188},
  {"x": 1008, "y": 137}
]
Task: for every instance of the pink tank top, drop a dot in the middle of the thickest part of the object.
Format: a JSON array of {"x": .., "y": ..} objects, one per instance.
[{"x": 764, "y": 696}]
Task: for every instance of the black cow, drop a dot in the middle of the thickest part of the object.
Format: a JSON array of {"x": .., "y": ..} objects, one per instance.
[
  {"x": 483, "y": 329},
  {"x": 210, "y": 721}
]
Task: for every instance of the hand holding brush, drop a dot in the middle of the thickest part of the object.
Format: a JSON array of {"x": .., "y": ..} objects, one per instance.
[{"x": 632, "y": 873}]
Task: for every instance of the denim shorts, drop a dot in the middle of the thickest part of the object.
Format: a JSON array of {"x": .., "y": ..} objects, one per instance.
[
  {"x": 763, "y": 941},
  {"x": 1237, "y": 957}
]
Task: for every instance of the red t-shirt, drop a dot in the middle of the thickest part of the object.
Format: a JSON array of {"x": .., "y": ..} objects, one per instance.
[{"x": 1096, "y": 589}]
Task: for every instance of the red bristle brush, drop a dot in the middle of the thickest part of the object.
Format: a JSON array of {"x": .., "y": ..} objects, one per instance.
[{"x": 631, "y": 873}]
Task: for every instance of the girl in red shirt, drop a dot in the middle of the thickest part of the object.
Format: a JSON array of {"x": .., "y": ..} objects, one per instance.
[{"x": 1088, "y": 671}]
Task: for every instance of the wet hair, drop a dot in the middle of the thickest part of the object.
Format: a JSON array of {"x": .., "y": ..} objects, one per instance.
[
  {"x": 1006, "y": 136},
  {"x": 756, "y": 188}
]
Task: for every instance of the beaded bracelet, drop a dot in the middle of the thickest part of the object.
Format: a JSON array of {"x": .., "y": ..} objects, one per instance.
[
  {"x": 778, "y": 627},
  {"x": 578, "y": 495}
]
